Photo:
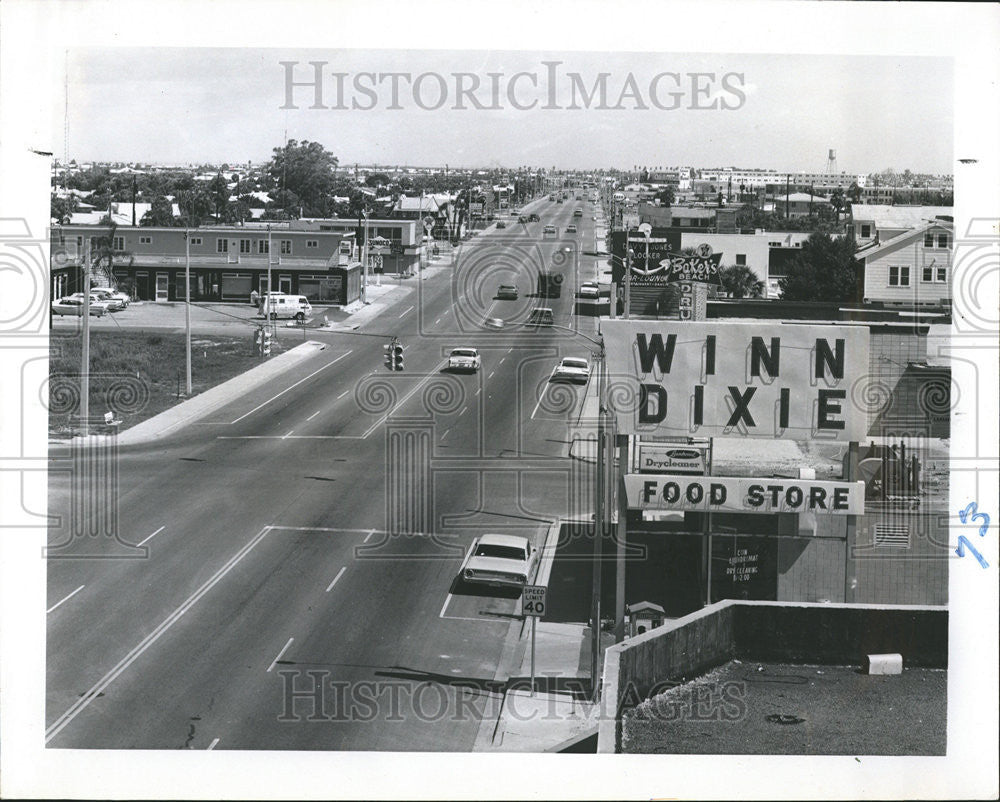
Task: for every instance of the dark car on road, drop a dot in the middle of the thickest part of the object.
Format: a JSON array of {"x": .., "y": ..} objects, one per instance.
[
  {"x": 501, "y": 224},
  {"x": 507, "y": 292},
  {"x": 533, "y": 218}
]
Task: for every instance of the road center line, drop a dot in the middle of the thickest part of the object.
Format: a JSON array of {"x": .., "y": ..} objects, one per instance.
[
  {"x": 463, "y": 410},
  {"x": 491, "y": 374},
  {"x": 407, "y": 311},
  {"x": 152, "y": 535},
  {"x": 340, "y": 573},
  {"x": 540, "y": 397},
  {"x": 211, "y": 746},
  {"x": 67, "y": 598},
  {"x": 445, "y": 433},
  {"x": 404, "y": 399},
  {"x": 274, "y": 662},
  {"x": 368, "y": 536},
  {"x": 150, "y": 639},
  {"x": 272, "y": 398},
  {"x": 289, "y": 432},
  {"x": 342, "y": 395},
  {"x": 313, "y": 415}
]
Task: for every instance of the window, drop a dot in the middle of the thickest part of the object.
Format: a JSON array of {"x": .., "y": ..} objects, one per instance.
[
  {"x": 145, "y": 240},
  {"x": 928, "y": 240},
  {"x": 774, "y": 244},
  {"x": 741, "y": 259},
  {"x": 866, "y": 230},
  {"x": 118, "y": 244},
  {"x": 245, "y": 246},
  {"x": 942, "y": 240},
  {"x": 311, "y": 243},
  {"x": 942, "y": 274},
  {"x": 222, "y": 246},
  {"x": 927, "y": 274},
  {"x": 263, "y": 246},
  {"x": 899, "y": 277},
  {"x": 286, "y": 246},
  {"x": 196, "y": 240}
]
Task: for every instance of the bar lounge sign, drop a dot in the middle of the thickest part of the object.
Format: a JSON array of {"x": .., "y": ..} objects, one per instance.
[{"x": 717, "y": 379}]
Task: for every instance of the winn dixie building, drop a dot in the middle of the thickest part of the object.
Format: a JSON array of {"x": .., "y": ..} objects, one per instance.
[{"x": 756, "y": 462}]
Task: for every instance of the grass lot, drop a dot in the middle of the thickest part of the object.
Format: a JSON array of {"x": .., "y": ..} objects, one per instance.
[{"x": 137, "y": 375}]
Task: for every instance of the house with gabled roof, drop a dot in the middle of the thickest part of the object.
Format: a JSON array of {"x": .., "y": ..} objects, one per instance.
[{"x": 912, "y": 268}]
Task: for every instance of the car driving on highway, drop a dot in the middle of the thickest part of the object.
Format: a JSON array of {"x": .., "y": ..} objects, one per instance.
[
  {"x": 498, "y": 560},
  {"x": 507, "y": 292},
  {"x": 464, "y": 359},
  {"x": 589, "y": 289},
  {"x": 571, "y": 369},
  {"x": 571, "y": 229}
]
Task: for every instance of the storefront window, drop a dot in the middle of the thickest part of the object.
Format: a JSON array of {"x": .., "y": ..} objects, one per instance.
[{"x": 322, "y": 289}]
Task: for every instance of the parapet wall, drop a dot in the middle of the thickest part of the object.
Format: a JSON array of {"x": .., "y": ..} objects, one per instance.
[{"x": 811, "y": 633}]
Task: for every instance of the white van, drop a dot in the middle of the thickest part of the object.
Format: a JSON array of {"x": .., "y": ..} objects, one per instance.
[{"x": 291, "y": 306}]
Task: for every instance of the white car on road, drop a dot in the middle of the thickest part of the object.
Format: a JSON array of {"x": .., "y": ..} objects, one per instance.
[
  {"x": 122, "y": 297},
  {"x": 572, "y": 369},
  {"x": 74, "y": 306},
  {"x": 465, "y": 359},
  {"x": 500, "y": 560},
  {"x": 589, "y": 289}
]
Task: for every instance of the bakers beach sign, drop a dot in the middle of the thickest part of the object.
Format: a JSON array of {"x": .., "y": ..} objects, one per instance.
[
  {"x": 653, "y": 264},
  {"x": 716, "y": 379}
]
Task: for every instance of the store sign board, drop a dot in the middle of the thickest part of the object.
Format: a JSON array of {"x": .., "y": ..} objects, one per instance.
[
  {"x": 749, "y": 380},
  {"x": 684, "y": 493}
]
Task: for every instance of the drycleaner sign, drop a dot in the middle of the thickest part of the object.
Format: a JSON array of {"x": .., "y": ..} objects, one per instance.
[
  {"x": 718, "y": 379},
  {"x": 680, "y": 493}
]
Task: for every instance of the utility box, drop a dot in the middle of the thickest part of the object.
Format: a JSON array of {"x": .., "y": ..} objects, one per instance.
[{"x": 643, "y": 617}]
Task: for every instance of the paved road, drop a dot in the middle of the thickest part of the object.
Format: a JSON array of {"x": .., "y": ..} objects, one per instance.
[{"x": 294, "y": 584}]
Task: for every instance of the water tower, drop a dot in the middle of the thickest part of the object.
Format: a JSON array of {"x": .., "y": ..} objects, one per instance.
[{"x": 831, "y": 162}]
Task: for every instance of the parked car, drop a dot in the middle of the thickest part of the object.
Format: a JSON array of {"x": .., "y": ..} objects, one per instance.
[
  {"x": 549, "y": 230},
  {"x": 589, "y": 289},
  {"x": 522, "y": 219},
  {"x": 571, "y": 369},
  {"x": 578, "y": 213},
  {"x": 571, "y": 229},
  {"x": 507, "y": 292},
  {"x": 534, "y": 218},
  {"x": 464, "y": 359},
  {"x": 114, "y": 304},
  {"x": 288, "y": 306},
  {"x": 74, "y": 306},
  {"x": 498, "y": 560},
  {"x": 501, "y": 224},
  {"x": 99, "y": 298},
  {"x": 123, "y": 297}
]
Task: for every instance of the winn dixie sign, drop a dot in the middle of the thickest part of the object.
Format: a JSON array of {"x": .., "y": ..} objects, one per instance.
[
  {"x": 715, "y": 379},
  {"x": 678, "y": 492}
]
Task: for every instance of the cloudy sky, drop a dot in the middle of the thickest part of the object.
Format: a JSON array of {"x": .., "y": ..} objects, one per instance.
[{"x": 495, "y": 107}]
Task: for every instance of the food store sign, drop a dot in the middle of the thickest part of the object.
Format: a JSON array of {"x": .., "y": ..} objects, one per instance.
[
  {"x": 682, "y": 493},
  {"x": 718, "y": 379}
]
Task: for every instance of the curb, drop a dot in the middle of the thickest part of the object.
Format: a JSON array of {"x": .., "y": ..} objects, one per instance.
[{"x": 204, "y": 403}]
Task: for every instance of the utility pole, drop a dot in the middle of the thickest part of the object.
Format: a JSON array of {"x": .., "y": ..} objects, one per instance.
[
  {"x": 187, "y": 307},
  {"x": 85, "y": 346},
  {"x": 600, "y": 513},
  {"x": 364, "y": 260},
  {"x": 267, "y": 306}
]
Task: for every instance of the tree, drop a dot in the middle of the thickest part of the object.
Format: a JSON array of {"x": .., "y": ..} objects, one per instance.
[
  {"x": 666, "y": 196},
  {"x": 741, "y": 282},
  {"x": 307, "y": 170},
  {"x": 195, "y": 205},
  {"x": 160, "y": 214},
  {"x": 825, "y": 270},
  {"x": 218, "y": 189},
  {"x": 62, "y": 209}
]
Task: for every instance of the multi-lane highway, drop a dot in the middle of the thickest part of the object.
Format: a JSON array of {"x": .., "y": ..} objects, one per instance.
[{"x": 282, "y": 574}]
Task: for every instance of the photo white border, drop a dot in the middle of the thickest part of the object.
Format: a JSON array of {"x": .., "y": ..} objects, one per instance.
[{"x": 36, "y": 34}]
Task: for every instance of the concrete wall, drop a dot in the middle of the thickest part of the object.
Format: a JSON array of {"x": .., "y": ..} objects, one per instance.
[{"x": 832, "y": 634}]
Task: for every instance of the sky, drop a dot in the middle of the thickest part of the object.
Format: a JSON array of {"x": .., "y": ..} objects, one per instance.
[{"x": 537, "y": 108}]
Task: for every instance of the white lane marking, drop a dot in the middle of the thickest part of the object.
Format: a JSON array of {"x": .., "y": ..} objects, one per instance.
[
  {"x": 406, "y": 311},
  {"x": 274, "y": 662},
  {"x": 313, "y": 415},
  {"x": 463, "y": 410},
  {"x": 404, "y": 399},
  {"x": 437, "y": 321},
  {"x": 540, "y": 397},
  {"x": 368, "y": 536},
  {"x": 260, "y": 406},
  {"x": 501, "y": 360},
  {"x": 340, "y": 573},
  {"x": 150, "y": 639},
  {"x": 288, "y": 435},
  {"x": 445, "y": 433},
  {"x": 444, "y": 607},
  {"x": 491, "y": 374},
  {"x": 67, "y": 598},
  {"x": 152, "y": 535},
  {"x": 342, "y": 395},
  {"x": 211, "y": 746}
]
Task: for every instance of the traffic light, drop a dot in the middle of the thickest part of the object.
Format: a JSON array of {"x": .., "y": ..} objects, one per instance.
[
  {"x": 397, "y": 356},
  {"x": 388, "y": 355},
  {"x": 266, "y": 346},
  {"x": 258, "y": 341}
]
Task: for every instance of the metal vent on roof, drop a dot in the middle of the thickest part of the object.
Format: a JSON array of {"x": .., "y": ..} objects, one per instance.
[{"x": 897, "y": 535}]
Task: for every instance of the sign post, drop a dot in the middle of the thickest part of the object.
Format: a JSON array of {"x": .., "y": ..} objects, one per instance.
[{"x": 533, "y": 605}]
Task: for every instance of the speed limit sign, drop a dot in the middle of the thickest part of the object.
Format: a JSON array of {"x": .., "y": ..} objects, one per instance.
[{"x": 533, "y": 600}]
